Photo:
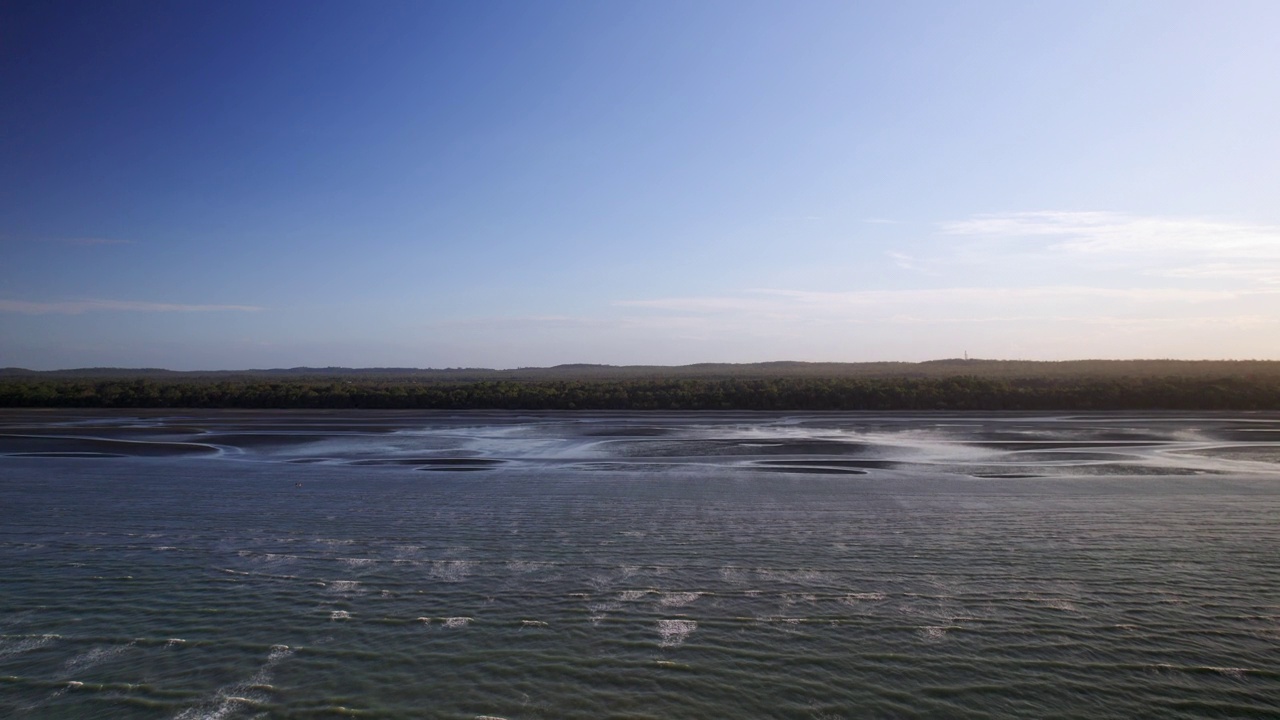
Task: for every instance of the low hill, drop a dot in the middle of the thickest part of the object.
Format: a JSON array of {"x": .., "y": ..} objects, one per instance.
[{"x": 952, "y": 367}]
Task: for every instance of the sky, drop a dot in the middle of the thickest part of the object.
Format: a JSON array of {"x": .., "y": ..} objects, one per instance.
[{"x": 230, "y": 185}]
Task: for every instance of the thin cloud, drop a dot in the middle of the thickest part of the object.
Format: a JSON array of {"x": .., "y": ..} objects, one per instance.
[
  {"x": 1264, "y": 274},
  {"x": 703, "y": 305},
  {"x": 1042, "y": 317},
  {"x": 1049, "y": 284},
  {"x": 91, "y": 241},
  {"x": 781, "y": 301},
  {"x": 908, "y": 262},
  {"x": 78, "y": 307},
  {"x": 1108, "y": 233},
  {"x": 1008, "y": 294}
]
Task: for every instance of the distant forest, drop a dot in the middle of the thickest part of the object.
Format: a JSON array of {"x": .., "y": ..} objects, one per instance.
[{"x": 935, "y": 385}]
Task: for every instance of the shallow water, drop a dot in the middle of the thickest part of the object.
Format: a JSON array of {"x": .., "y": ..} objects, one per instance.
[{"x": 399, "y": 565}]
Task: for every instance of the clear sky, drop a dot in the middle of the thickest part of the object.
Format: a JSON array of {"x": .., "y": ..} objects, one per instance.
[{"x": 225, "y": 185}]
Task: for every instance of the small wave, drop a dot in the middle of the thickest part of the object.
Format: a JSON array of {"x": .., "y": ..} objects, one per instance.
[
  {"x": 674, "y": 632},
  {"x": 678, "y": 599},
  {"x": 796, "y": 577},
  {"x": 448, "y": 622},
  {"x": 279, "y": 652},
  {"x": 632, "y": 595},
  {"x": 228, "y": 700},
  {"x": 277, "y": 558},
  {"x": 1235, "y": 673},
  {"x": 338, "y": 710},
  {"x": 344, "y": 587},
  {"x": 339, "y": 615},
  {"x": 856, "y": 598},
  {"x": 527, "y": 566},
  {"x": 18, "y": 645},
  {"x": 451, "y": 571},
  {"x": 94, "y": 656},
  {"x": 532, "y": 623},
  {"x": 934, "y": 633}
]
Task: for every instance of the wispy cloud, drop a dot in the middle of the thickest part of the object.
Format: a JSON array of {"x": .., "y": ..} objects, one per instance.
[
  {"x": 78, "y": 307},
  {"x": 907, "y": 262},
  {"x": 1263, "y": 274},
  {"x": 1034, "y": 322},
  {"x": 1109, "y": 233},
  {"x": 787, "y": 302},
  {"x": 79, "y": 241},
  {"x": 91, "y": 241},
  {"x": 1047, "y": 247},
  {"x": 1016, "y": 285}
]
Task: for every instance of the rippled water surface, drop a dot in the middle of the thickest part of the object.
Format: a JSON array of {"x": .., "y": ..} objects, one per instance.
[{"x": 498, "y": 565}]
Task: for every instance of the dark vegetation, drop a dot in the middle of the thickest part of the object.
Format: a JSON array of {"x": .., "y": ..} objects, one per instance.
[{"x": 941, "y": 384}]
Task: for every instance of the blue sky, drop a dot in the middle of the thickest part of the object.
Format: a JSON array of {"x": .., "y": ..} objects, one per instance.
[{"x": 225, "y": 185}]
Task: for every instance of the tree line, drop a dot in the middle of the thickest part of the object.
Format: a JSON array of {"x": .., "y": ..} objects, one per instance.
[
  {"x": 959, "y": 392},
  {"x": 1000, "y": 369}
]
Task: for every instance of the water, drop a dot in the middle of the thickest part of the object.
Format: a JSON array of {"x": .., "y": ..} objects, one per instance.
[{"x": 497, "y": 565}]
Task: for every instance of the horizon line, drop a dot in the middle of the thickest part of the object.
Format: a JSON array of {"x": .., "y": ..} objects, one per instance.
[{"x": 560, "y": 366}]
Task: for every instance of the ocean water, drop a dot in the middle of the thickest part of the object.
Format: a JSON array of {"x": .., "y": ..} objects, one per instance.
[{"x": 610, "y": 565}]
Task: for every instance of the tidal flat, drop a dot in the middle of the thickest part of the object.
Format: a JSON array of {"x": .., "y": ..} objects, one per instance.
[{"x": 312, "y": 564}]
